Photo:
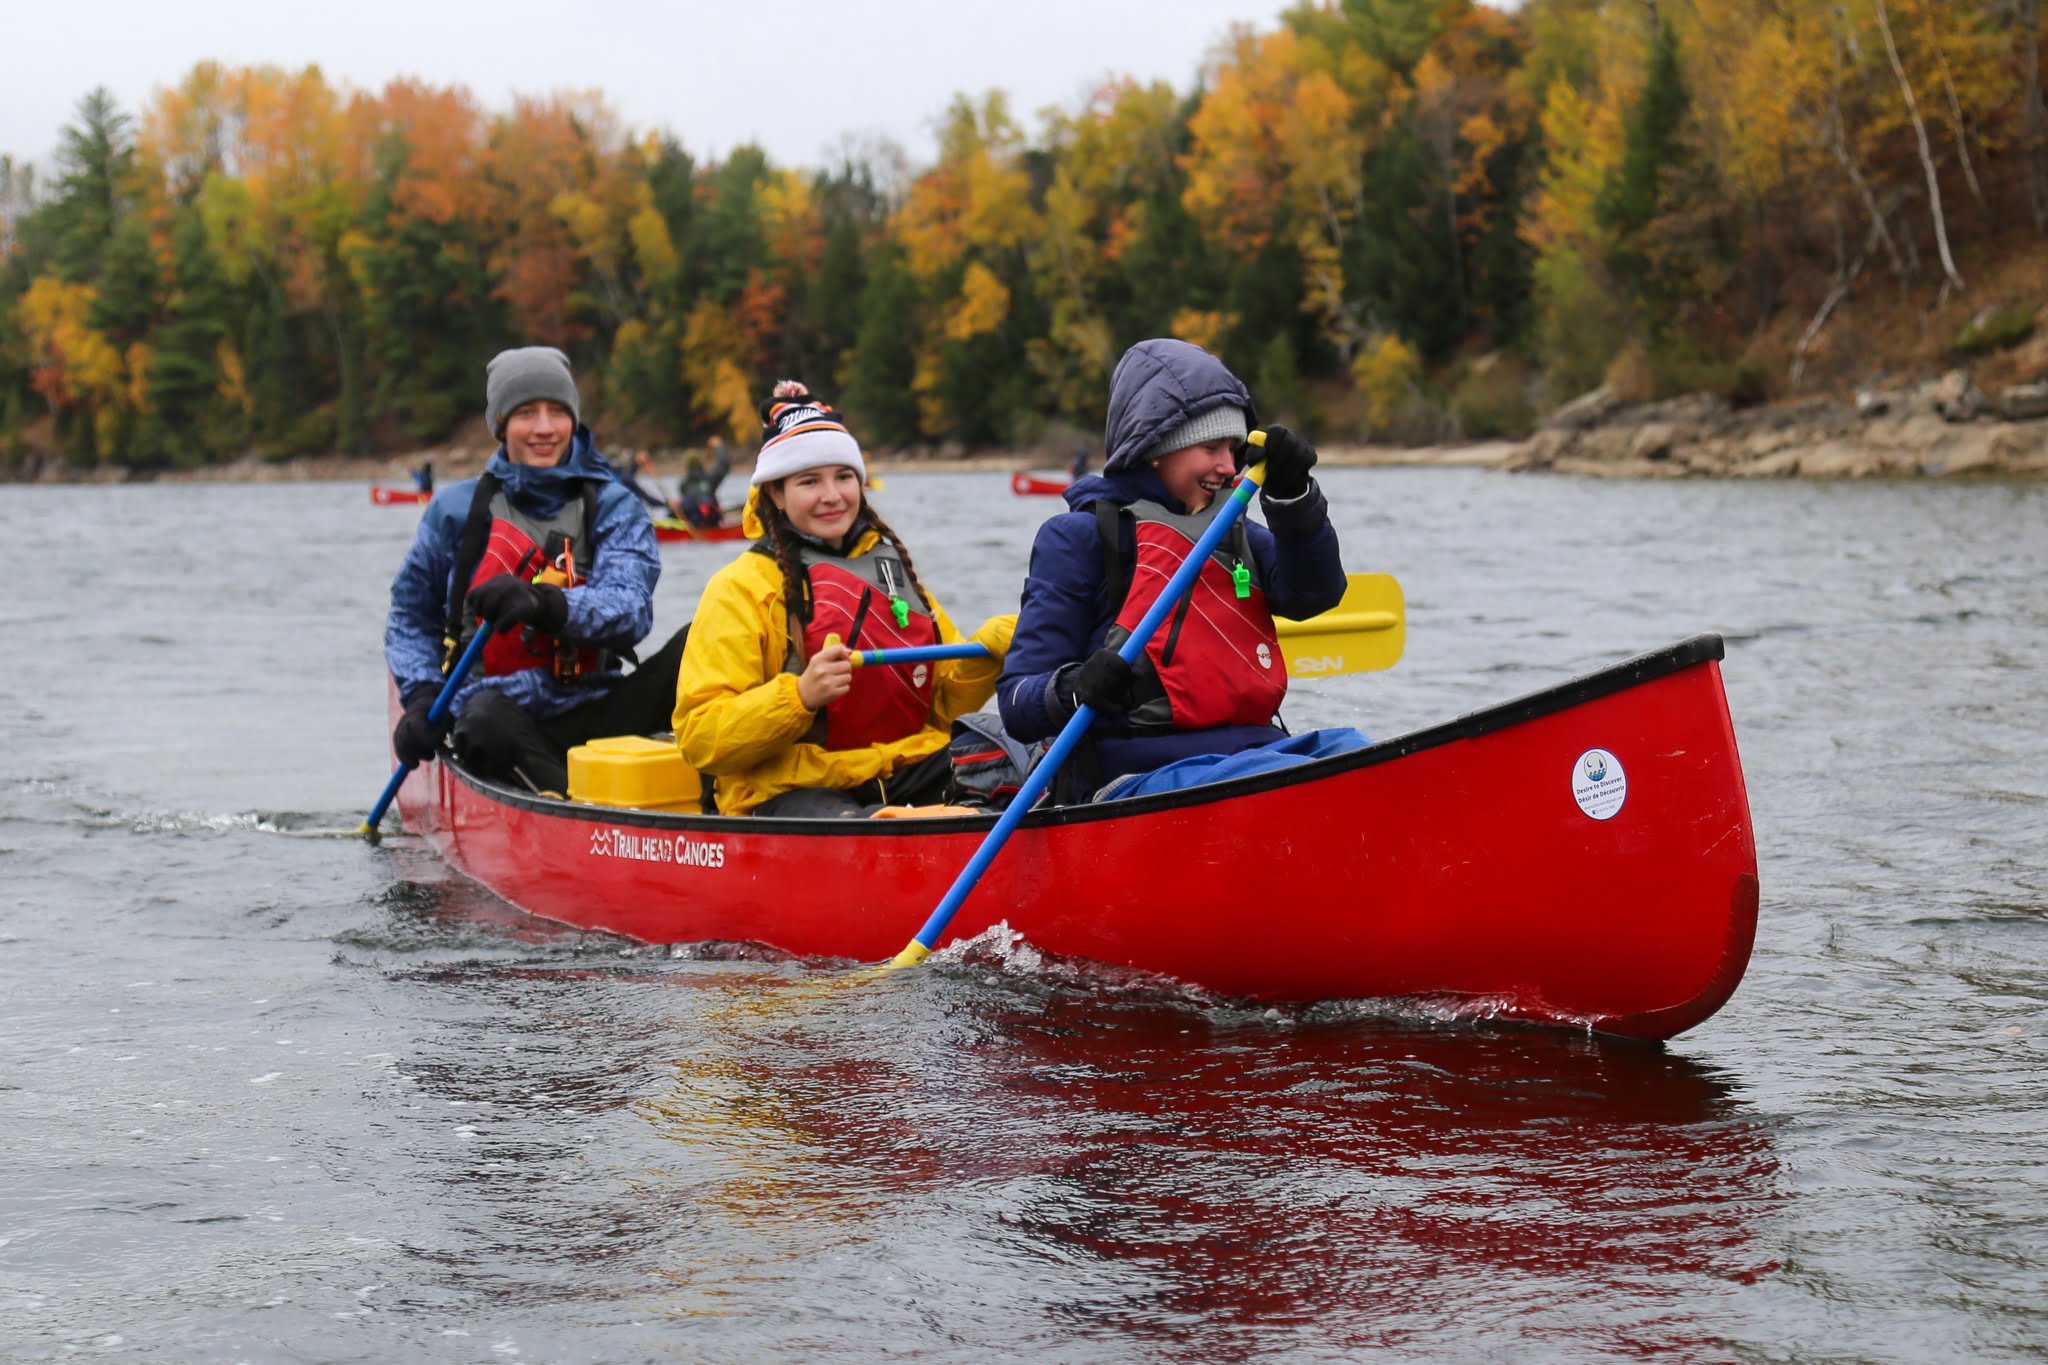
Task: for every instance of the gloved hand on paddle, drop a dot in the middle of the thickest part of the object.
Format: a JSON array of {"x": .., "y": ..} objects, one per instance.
[
  {"x": 1288, "y": 459},
  {"x": 415, "y": 739},
  {"x": 507, "y": 601},
  {"x": 1105, "y": 682}
]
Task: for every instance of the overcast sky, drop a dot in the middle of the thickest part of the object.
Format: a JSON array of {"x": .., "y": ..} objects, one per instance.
[{"x": 793, "y": 75}]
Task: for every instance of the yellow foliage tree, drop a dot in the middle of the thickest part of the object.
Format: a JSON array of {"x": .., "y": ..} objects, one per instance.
[
  {"x": 1385, "y": 371},
  {"x": 981, "y": 306},
  {"x": 711, "y": 371}
]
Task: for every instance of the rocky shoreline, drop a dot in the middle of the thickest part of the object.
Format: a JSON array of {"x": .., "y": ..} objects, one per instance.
[{"x": 1944, "y": 428}]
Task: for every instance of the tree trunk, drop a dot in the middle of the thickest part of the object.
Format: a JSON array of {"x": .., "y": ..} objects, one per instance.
[
  {"x": 2030, "y": 66},
  {"x": 1838, "y": 136},
  {"x": 1948, "y": 260},
  {"x": 1956, "y": 130}
]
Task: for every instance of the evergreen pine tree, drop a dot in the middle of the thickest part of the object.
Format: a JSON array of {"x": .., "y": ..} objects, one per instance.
[{"x": 183, "y": 424}]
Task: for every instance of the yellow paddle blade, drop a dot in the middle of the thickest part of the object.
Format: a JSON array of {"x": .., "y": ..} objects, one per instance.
[{"x": 1366, "y": 631}]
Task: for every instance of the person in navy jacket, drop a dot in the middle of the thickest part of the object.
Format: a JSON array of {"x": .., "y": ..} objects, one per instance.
[{"x": 1211, "y": 679}]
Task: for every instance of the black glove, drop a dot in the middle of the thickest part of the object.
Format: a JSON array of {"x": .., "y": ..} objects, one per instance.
[
  {"x": 1288, "y": 460},
  {"x": 415, "y": 739},
  {"x": 1104, "y": 682},
  {"x": 506, "y": 601}
]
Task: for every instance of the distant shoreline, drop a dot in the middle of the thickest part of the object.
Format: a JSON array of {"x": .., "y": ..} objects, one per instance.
[
  {"x": 1934, "y": 431},
  {"x": 451, "y": 463}
]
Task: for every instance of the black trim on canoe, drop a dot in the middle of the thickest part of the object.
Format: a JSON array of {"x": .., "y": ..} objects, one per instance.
[{"x": 1619, "y": 677}]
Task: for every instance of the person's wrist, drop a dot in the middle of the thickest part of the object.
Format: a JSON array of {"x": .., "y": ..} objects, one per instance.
[{"x": 554, "y": 606}]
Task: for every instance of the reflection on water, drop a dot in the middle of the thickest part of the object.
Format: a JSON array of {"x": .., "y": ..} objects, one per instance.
[{"x": 1280, "y": 1183}]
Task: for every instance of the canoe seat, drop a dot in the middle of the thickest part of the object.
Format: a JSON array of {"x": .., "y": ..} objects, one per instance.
[{"x": 635, "y": 771}]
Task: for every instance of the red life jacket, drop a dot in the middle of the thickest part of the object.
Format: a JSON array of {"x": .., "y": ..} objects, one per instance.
[
  {"x": 869, "y": 602},
  {"x": 553, "y": 550},
  {"x": 1216, "y": 658}
]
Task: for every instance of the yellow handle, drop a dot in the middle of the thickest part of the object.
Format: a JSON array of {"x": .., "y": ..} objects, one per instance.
[{"x": 1256, "y": 472}]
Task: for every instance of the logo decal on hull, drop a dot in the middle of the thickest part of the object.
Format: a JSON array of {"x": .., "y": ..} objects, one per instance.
[
  {"x": 1598, "y": 784},
  {"x": 635, "y": 846}
]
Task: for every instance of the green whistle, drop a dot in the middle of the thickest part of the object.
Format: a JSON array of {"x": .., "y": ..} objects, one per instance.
[
  {"x": 902, "y": 610},
  {"x": 1241, "y": 577}
]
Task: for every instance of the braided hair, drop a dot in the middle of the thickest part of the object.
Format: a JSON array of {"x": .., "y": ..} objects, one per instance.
[
  {"x": 888, "y": 533},
  {"x": 782, "y": 539}
]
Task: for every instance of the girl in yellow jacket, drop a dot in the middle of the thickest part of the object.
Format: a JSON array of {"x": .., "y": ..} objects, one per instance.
[{"x": 768, "y": 701}]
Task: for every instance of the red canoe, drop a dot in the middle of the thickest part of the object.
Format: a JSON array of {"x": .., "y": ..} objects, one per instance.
[
  {"x": 1582, "y": 855},
  {"x": 1028, "y": 485},
  {"x": 385, "y": 497},
  {"x": 675, "y": 528}
]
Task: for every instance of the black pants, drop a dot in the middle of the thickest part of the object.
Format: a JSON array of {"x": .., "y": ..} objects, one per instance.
[
  {"x": 495, "y": 739},
  {"x": 923, "y": 783}
]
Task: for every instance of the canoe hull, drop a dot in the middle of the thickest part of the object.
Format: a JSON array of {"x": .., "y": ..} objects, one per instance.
[
  {"x": 1027, "y": 485},
  {"x": 669, "y": 530},
  {"x": 389, "y": 497},
  {"x": 1475, "y": 864}
]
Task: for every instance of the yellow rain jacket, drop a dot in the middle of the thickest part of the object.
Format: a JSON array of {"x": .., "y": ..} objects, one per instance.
[{"x": 737, "y": 714}]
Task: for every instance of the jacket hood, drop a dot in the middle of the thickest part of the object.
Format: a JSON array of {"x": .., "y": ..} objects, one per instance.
[
  {"x": 543, "y": 491},
  {"x": 1158, "y": 386}
]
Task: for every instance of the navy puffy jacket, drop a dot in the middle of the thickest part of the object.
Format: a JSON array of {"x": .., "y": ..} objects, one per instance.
[{"x": 1067, "y": 609}]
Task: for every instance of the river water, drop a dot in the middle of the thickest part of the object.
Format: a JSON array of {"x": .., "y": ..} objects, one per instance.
[{"x": 272, "y": 1096}]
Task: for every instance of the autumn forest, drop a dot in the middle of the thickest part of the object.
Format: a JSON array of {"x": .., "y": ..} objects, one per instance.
[{"x": 1407, "y": 220}]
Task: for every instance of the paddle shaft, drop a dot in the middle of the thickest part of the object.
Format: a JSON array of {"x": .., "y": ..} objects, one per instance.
[
  {"x": 436, "y": 713},
  {"x": 1043, "y": 772}
]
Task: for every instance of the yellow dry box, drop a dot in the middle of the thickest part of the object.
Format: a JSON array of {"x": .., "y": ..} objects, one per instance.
[{"x": 633, "y": 770}]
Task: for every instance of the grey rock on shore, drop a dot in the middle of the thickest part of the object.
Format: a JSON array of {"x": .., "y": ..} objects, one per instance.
[{"x": 1943, "y": 427}]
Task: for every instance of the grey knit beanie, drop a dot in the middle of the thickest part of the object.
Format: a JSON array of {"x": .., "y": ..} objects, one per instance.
[
  {"x": 522, "y": 375},
  {"x": 1226, "y": 420}
]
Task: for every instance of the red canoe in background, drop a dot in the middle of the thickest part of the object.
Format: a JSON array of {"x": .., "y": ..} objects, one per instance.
[
  {"x": 1026, "y": 485},
  {"x": 1582, "y": 855},
  {"x": 385, "y": 497},
  {"x": 669, "y": 529}
]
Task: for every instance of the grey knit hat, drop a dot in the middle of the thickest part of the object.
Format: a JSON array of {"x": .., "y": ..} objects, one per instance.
[
  {"x": 522, "y": 375},
  {"x": 1225, "y": 420}
]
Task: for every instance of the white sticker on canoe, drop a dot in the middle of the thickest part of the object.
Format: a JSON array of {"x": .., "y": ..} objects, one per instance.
[
  {"x": 1598, "y": 784},
  {"x": 654, "y": 848}
]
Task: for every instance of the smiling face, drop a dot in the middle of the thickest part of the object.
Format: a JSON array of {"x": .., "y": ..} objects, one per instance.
[
  {"x": 821, "y": 503},
  {"x": 538, "y": 433},
  {"x": 1194, "y": 475}
]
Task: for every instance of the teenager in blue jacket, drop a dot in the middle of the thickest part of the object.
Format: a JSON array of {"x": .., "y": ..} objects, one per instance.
[
  {"x": 1212, "y": 678},
  {"x": 553, "y": 553}
]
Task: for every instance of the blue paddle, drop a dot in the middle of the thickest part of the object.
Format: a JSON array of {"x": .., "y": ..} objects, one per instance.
[
  {"x": 438, "y": 712},
  {"x": 920, "y": 947}
]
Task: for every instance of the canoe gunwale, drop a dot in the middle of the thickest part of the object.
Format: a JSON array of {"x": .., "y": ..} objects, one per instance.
[{"x": 1619, "y": 677}]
